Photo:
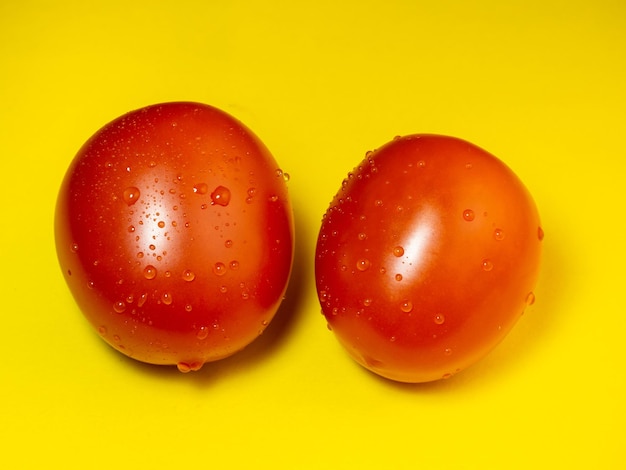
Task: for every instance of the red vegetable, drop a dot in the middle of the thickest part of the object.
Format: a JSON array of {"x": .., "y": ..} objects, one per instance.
[
  {"x": 174, "y": 232},
  {"x": 426, "y": 257}
]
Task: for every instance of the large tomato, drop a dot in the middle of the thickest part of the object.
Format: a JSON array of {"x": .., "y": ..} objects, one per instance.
[
  {"x": 427, "y": 257},
  {"x": 174, "y": 232}
]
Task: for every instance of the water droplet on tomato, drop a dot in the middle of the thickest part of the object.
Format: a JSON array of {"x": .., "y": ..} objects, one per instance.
[
  {"x": 398, "y": 251},
  {"x": 228, "y": 243},
  {"x": 362, "y": 236},
  {"x": 149, "y": 272},
  {"x": 378, "y": 202},
  {"x": 185, "y": 367},
  {"x": 439, "y": 319},
  {"x": 202, "y": 332},
  {"x": 161, "y": 224},
  {"x": 131, "y": 195},
  {"x": 540, "y": 233},
  {"x": 201, "y": 188},
  {"x": 398, "y": 277},
  {"x": 220, "y": 196},
  {"x": 219, "y": 268},
  {"x": 498, "y": 234},
  {"x": 487, "y": 265},
  {"x": 74, "y": 247},
  {"x": 367, "y": 302},
  {"x": 468, "y": 215},
  {"x": 234, "y": 264},
  {"x": 119, "y": 306},
  {"x": 102, "y": 330},
  {"x": 131, "y": 228},
  {"x": 406, "y": 306},
  {"x": 188, "y": 308},
  {"x": 530, "y": 298},
  {"x": 142, "y": 300},
  {"x": 363, "y": 264},
  {"x": 188, "y": 275},
  {"x": 166, "y": 298},
  {"x": 447, "y": 351}
]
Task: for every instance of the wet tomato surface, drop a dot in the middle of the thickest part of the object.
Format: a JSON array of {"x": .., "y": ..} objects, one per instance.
[
  {"x": 174, "y": 232},
  {"x": 427, "y": 257}
]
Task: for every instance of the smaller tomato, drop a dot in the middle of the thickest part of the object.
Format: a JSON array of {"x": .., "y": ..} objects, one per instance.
[
  {"x": 174, "y": 232},
  {"x": 426, "y": 257}
]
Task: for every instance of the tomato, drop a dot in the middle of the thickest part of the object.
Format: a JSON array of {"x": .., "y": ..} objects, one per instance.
[
  {"x": 174, "y": 231},
  {"x": 427, "y": 257}
]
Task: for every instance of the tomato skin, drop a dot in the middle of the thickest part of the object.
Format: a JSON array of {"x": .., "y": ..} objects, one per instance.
[
  {"x": 174, "y": 232},
  {"x": 426, "y": 257}
]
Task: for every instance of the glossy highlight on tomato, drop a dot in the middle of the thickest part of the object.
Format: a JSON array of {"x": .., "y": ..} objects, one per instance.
[
  {"x": 174, "y": 231},
  {"x": 427, "y": 257}
]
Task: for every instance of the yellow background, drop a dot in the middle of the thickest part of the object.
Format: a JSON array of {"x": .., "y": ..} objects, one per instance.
[{"x": 541, "y": 84}]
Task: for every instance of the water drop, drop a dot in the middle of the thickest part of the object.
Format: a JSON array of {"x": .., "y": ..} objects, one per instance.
[
  {"x": 234, "y": 264},
  {"x": 367, "y": 302},
  {"x": 188, "y": 308},
  {"x": 119, "y": 306},
  {"x": 142, "y": 300},
  {"x": 74, "y": 247},
  {"x": 188, "y": 275},
  {"x": 398, "y": 251},
  {"x": 398, "y": 277},
  {"x": 487, "y": 265},
  {"x": 131, "y": 228},
  {"x": 362, "y": 236},
  {"x": 202, "y": 332},
  {"x": 185, "y": 367},
  {"x": 161, "y": 224},
  {"x": 102, "y": 330},
  {"x": 439, "y": 319},
  {"x": 149, "y": 272},
  {"x": 219, "y": 268},
  {"x": 223, "y": 289},
  {"x": 166, "y": 298},
  {"x": 363, "y": 264},
  {"x": 152, "y": 247},
  {"x": 447, "y": 351},
  {"x": 540, "y": 233},
  {"x": 281, "y": 174},
  {"x": 220, "y": 196},
  {"x": 468, "y": 215},
  {"x": 228, "y": 243},
  {"x": 201, "y": 188},
  {"x": 406, "y": 306},
  {"x": 131, "y": 195},
  {"x": 498, "y": 234},
  {"x": 378, "y": 202},
  {"x": 530, "y": 298}
]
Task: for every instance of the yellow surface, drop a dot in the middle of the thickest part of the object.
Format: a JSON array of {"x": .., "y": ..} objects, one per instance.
[{"x": 541, "y": 84}]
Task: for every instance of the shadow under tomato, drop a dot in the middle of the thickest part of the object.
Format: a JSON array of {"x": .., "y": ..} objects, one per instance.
[{"x": 269, "y": 342}]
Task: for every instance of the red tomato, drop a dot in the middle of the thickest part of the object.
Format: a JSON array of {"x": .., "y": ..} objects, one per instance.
[
  {"x": 174, "y": 231},
  {"x": 427, "y": 257}
]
